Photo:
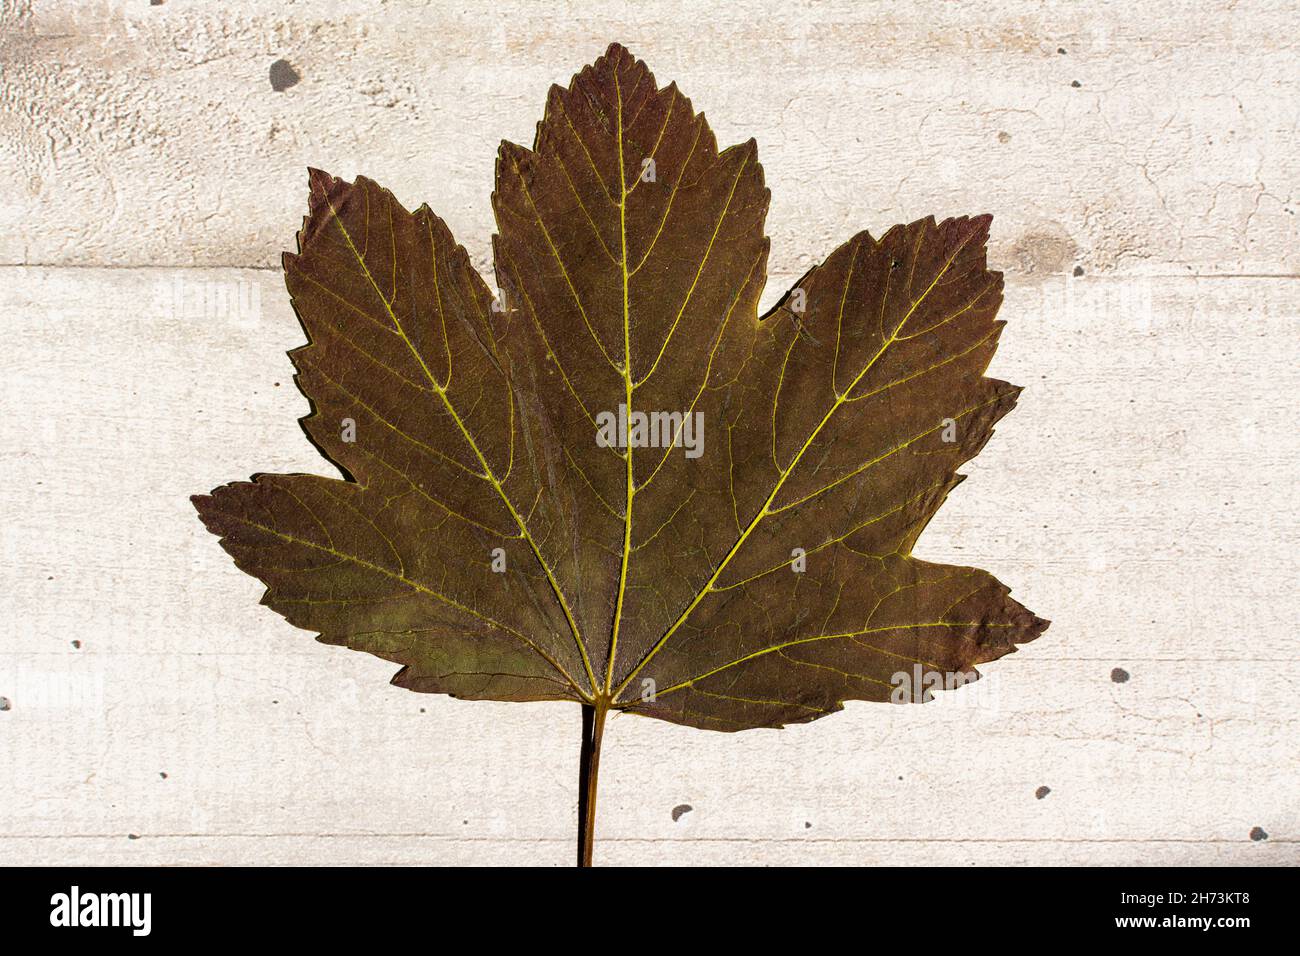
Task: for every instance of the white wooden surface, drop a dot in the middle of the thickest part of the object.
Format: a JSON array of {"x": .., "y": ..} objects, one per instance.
[{"x": 1143, "y": 495}]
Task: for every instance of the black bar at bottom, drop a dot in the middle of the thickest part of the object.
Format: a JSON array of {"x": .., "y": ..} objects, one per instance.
[{"x": 630, "y": 909}]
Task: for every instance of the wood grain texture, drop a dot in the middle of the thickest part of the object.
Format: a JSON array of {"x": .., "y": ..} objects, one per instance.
[
  {"x": 1142, "y": 496},
  {"x": 136, "y": 134}
]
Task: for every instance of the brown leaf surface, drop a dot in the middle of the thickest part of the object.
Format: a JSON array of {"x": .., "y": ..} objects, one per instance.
[{"x": 645, "y": 579}]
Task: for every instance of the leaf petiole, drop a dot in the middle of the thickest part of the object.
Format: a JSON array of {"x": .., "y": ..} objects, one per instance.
[{"x": 593, "y": 729}]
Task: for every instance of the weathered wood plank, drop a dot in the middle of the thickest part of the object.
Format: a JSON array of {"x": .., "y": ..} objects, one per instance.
[
  {"x": 1116, "y": 138},
  {"x": 1142, "y": 496}
]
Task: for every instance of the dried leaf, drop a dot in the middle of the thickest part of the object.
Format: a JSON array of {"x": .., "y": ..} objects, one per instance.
[{"x": 613, "y": 483}]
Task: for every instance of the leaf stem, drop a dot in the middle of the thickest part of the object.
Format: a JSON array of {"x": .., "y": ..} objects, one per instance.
[{"x": 593, "y": 729}]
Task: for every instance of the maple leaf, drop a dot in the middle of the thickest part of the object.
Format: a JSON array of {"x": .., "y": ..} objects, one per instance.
[{"x": 614, "y": 483}]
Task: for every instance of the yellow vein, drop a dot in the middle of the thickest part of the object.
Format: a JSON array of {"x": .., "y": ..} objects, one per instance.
[
  {"x": 667, "y": 521},
  {"x": 649, "y": 97},
  {"x": 401, "y": 562},
  {"x": 414, "y": 585},
  {"x": 627, "y": 391},
  {"x": 437, "y": 292},
  {"x": 843, "y": 673},
  {"x": 672, "y": 198},
  {"x": 555, "y": 253},
  {"x": 550, "y": 349},
  {"x": 483, "y": 463},
  {"x": 658, "y": 139},
  {"x": 839, "y": 319},
  {"x": 441, "y": 505},
  {"x": 708, "y": 371},
  {"x": 846, "y": 635},
  {"x": 699, "y": 272},
  {"x": 875, "y": 461},
  {"x": 927, "y": 370},
  {"x": 766, "y": 508},
  {"x": 435, "y": 452},
  {"x": 956, "y": 315},
  {"x": 587, "y": 481},
  {"x": 757, "y": 700},
  {"x": 564, "y": 111},
  {"x": 835, "y": 540},
  {"x": 559, "y": 159}
]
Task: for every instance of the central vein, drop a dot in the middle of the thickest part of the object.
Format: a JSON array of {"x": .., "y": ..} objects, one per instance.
[{"x": 627, "y": 391}]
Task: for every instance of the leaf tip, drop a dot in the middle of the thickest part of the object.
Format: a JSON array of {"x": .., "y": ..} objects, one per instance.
[
  {"x": 319, "y": 181},
  {"x": 975, "y": 229}
]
